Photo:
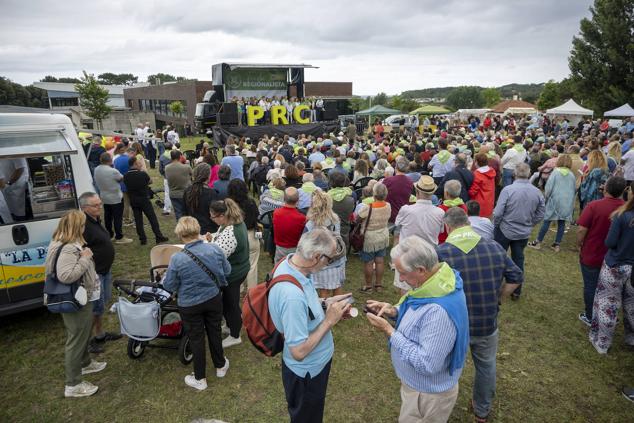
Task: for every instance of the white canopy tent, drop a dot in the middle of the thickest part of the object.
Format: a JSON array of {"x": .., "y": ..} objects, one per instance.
[
  {"x": 571, "y": 110},
  {"x": 624, "y": 111}
]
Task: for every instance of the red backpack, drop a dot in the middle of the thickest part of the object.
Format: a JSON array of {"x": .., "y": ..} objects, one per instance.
[{"x": 256, "y": 317}]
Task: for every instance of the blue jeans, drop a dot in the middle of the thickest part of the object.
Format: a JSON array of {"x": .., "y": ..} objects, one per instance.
[
  {"x": 507, "y": 177},
  {"x": 483, "y": 351},
  {"x": 517, "y": 251},
  {"x": 161, "y": 148},
  {"x": 99, "y": 306},
  {"x": 590, "y": 277},
  {"x": 561, "y": 227},
  {"x": 178, "y": 204}
]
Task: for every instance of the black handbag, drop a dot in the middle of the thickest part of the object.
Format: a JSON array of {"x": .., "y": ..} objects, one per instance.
[{"x": 61, "y": 297}]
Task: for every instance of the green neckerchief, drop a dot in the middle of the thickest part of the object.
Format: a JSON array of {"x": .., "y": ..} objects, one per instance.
[
  {"x": 563, "y": 170},
  {"x": 441, "y": 283},
  {"x": 549, "y": 153},
  {"x": 519, "y": 148},
  {"x": 276, "y": 194},
  {"x": 412, "y": 198},
  {"x": 368, "y": 200},
  {"x": 453, "y": 203},
  {"x": 443, "y": 156},
  {"x": 491, "y": 154},
  {"x": 329, "y": 161},
  {"x": 346, "y": 166},
  {"x": 167, "y": 154},
  {"x": 308, "y": 187},
  {"x": 464, "y": 238},
  {"x": 339, "y": 193}
]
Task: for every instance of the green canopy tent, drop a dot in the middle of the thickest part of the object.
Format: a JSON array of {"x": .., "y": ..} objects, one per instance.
[
  {"x": 428, "y": 109},
  {"x": 377, "y": 110}
]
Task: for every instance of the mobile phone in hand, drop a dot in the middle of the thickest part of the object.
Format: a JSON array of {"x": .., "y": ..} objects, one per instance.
[{"x": 367, "y": 310}]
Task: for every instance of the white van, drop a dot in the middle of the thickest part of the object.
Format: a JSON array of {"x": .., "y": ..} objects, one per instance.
[{"x": 43, "y": 170}]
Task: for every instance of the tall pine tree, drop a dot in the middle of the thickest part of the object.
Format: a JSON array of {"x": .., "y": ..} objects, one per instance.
[{"x": 602, "y": 57}]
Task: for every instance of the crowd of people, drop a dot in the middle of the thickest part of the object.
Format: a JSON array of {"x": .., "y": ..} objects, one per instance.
[{"x": 454, "y": 207}]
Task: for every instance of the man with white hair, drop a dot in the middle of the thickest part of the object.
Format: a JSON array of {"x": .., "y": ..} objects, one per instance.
[
  {"x": 483, "y": 266},
  {"x": 234, "y": 161},
  {"x": 428, "y": 345},
  {"x": 306, "y": 322},
  {"x": 520, "y": 207},
  {"x": 306, "y": 191}
]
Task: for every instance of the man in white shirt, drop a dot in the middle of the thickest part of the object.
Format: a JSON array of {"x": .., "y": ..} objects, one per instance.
[
  {"x": 172, "y": 136},
  {"x": 421, "y": 219},
  {"x": 140, "y": 137},
  {"x": 14, "y": 174}
]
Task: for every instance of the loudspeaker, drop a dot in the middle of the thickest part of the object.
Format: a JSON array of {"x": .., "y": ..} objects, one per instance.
[
  {"x": 229, "y": 114},
  {"x": 330, "y": 114},
  {"x": 330, "y": 105}
]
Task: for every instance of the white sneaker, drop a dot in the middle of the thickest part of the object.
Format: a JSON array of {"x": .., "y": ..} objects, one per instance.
[
  {"x": 223, "y": 371},
  {"x": 230, "y": 341},
  {"x": 83, "y": 389},
  {"x": 93, "y": 367},
  {"x": 123, "y": 240},
  {"x": 190, "y": 380}
]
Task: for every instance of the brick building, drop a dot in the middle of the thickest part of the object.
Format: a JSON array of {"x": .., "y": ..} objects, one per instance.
[{"x": 157, "y": 98}]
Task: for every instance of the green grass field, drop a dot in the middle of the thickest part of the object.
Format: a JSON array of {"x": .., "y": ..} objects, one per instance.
[{"x": 547, "y": 369}]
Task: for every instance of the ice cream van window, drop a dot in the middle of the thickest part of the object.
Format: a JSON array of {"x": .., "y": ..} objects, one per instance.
[{"x": 35, "y": 185}]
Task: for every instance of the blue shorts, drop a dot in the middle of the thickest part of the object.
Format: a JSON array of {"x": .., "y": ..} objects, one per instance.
[
  {"x": 98, "y": 307},
  {"x": 366, "y": 256}
]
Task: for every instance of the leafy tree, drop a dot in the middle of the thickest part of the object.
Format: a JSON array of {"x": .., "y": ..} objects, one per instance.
[
  {"x": 531, "y": 98},
  {"x": 380, "y": 98},
  {"x": 359, "y": 103},
  {"x": 466, "y": 98},
  {"x": 50, "y": 78},
  {"x": 602, "y": 57},
  {"x": 491, "y": 96},
  {"x": 93, "y": 98},
  {"x": 177, "y": 108},
  {"x": 403, "y": 104},
  {"x": 161, "y": 78},
  {"x": 110, "y": 78},
  {"x": 549, "y": 97},
  {"x": 16, "y": 95}
]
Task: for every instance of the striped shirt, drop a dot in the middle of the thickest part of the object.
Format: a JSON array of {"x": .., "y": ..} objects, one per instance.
[{"x": 421, "y": 349}]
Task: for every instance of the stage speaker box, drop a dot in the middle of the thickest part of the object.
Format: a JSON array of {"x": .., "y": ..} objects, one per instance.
[
  {"x": 330, "y": 114},
  {"x": 228, "y": 114},
  {"x": 330, "y": 105}
]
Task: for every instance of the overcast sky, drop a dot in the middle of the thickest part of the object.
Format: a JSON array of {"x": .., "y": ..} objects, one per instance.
[{"x": 388, "y": 46}]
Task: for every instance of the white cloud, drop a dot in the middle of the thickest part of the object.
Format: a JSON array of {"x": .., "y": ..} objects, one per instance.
[{"x": 379, "y": 46}]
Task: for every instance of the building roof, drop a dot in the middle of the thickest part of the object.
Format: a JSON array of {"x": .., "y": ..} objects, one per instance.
[
  {"x": 520, "y": 104},
  {"x": 268, "y": 65},
  {"x": 113, "y": 90},
  {"x": 9, "y": 108}
]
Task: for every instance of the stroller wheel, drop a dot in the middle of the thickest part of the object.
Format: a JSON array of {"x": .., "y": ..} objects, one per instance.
[
  {"x": 135, "y": 348},
  {"x": 185, "y": 354}
]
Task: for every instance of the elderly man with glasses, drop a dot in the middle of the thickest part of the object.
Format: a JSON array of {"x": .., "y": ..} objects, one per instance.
[
  {"x": 306, "y": 322},
  {"x": 98, "y": 240}
]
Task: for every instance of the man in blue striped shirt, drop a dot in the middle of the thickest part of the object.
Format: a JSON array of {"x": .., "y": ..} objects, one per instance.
[
  {"x": 429, "y": 342},
  {"x": 483, "y": 265}
]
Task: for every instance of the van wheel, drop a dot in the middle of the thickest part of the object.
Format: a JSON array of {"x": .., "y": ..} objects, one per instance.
[
  {"x": 135, "y": 348},
  {"x": 185, "y": 354}
]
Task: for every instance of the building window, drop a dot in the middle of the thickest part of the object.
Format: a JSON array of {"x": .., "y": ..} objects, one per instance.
[{"x": 64, "y": 101}]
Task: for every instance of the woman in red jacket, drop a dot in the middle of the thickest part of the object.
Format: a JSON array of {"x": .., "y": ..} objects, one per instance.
[{"x": 483, "y": 188}]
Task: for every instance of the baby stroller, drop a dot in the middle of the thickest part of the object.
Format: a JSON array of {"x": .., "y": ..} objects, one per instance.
[{"x": 152, "y": 314}]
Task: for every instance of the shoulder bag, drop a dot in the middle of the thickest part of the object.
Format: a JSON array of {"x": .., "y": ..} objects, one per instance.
[
  {"x": 61, "y": 297},
  {"x": 357, "y": 237}
]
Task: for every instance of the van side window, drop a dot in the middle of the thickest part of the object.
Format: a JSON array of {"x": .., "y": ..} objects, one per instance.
[{"x": 36, "y": 188}]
